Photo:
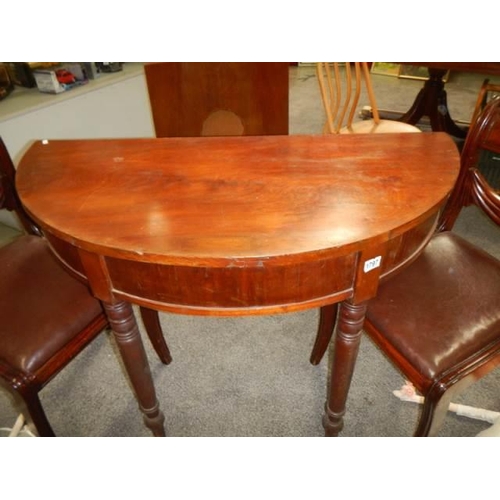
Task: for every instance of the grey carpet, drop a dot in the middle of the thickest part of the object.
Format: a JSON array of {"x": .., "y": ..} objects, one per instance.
[{"x": 250, "y": 376}]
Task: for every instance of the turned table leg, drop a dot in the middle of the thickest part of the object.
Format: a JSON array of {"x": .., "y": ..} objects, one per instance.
[
  {"x": 347, "y": 340},
  {"x": 126, "y": 332}
]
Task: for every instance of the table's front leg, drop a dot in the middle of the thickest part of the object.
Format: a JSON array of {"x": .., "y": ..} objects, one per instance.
[
  {"x": 347, "y": 339},
  {"x": 126, "y": 332}
]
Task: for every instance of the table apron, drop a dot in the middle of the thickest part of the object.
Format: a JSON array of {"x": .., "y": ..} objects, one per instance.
[{"x": 233, "y": 290}]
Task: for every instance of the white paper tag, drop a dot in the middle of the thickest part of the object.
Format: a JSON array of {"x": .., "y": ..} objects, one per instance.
[{"x": 372, "y": 263}]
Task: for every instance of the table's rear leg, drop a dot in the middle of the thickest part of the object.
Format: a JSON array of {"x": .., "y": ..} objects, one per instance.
[
  {"x": 347, "y": 340},
  {"x": 126, "y": 332},
  {"x": 152, "y": 325},
  {"x": 327, "y": 318},
  {"x": 417, "y": 109}
]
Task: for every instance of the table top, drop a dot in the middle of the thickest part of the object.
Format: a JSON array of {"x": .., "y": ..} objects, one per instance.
[
  {"x": 238, "y": 225},
  {"x": 230, "y": 199}
]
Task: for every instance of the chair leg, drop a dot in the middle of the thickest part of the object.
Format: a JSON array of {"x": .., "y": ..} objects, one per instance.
[
  {"x": 32, "y": 409},
  {"x": 435, "y": 408},
  {"x": 327, "y": 318},
  {"x": 151, "y": 321}
]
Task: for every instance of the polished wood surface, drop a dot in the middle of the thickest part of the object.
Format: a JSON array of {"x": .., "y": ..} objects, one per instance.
[
  {"x": 193, "y": 99},
  {"x": 240, "y": 225}
]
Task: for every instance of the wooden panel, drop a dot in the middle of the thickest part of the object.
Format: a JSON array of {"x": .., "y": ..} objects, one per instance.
[
  {"x": 232, "y": 289},
  {"x": 68, "y": 255},
  {"x": 203, "y": 99},
  {"x": 407, "y": 246}
]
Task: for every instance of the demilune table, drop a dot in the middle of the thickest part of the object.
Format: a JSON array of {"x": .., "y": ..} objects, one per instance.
[{"x": 238, "y": 226}]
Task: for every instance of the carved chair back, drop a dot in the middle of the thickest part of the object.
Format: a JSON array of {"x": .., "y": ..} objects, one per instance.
[
  {"x": 8, "y": 195},
  {"x": 471, "y": 187}
]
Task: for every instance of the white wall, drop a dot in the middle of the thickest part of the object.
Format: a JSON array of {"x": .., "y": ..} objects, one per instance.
[
  {"x": 117, "y": 110},
  {"x": 120, "y": 109}
]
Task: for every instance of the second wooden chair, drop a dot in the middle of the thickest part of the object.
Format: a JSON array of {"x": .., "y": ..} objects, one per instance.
[{"x": 341, "y": 86}]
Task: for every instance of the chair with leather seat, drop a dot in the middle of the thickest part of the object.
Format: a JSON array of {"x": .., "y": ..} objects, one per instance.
[
  {"x": 341, "y": 86},
  {"x": 438, "y": 320},
  {"x": 46, "y": 316}
]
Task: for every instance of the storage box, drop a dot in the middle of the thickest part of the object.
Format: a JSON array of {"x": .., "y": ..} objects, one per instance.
[
  {"x": 46, "y": 81},
  {"x": 91, "y": 70}
]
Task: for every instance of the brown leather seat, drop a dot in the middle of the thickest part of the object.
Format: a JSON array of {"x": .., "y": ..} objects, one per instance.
[
  {"x": 42, "y": 307},
  {"x": 47, "y": 318},
  {"x": 429, "y": 313}
]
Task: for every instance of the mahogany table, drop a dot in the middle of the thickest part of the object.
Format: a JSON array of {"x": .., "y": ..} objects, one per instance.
[
  {"x": 238, "y": 226},
  {"x": 432, "y": 100}
]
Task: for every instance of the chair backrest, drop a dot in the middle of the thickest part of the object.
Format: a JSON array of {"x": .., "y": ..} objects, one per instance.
[
  {"x": 210, "y": 99},
  {"x": 341, "y": 85},
  {"x": 482, "y": 97},
  {"x": 8, "y": 195},
  {"x": 471, "y": 186}
]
